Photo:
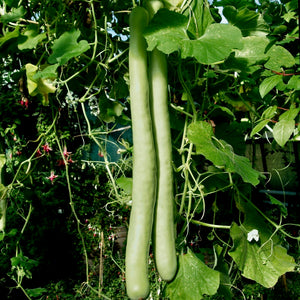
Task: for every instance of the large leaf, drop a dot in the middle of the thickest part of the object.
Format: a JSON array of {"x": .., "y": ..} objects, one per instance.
[
  {"x": 168, "y": 32},
  {"x": 220, "y": 153},
  {"x": 248, "y": 21},
  {"x": 215, "y": 45},
  {"x": 263, "y": 261},
  {"x": 193, "y": 280},
  {"x": 253, "y": 51},
  {"x": 279, "y": 57},
  {"x": 67, "y": 47},
  {"x": 268, "y": 84}
]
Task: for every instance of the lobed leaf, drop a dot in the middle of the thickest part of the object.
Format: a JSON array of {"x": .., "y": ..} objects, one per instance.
[
  {"x": 168, "y": 32},
  {"x": 67, "y": 47},
  {"x": 193, "y": 280}
]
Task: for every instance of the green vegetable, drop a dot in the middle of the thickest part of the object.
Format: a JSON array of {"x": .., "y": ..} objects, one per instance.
[
  {"x": 164, "y": 230},
  {"x": 144, "y": 162}
]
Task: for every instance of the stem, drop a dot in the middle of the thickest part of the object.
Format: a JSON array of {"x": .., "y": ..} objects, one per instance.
[{"x": 210, "y": 225}]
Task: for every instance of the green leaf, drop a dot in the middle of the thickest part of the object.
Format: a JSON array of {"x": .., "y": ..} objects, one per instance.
[
  {"x": 253, "y": 51},
  {"x": 215, "y": 45},
  {"x": 168, "y": 32},
  {"x": 125, "y": 183},
  {"x": 263, "y": 261},
  {"x": 47, "y": 72},
  {"x": 279, "y": 57},
  {"x": 258, "y": 127},
  {"x": 268, "y": 84},
  {"x": 220, "y": 153},
  {"x": 294, "y": 82},
  {"x": 290, "y": 114},
  {"x": 14, "y": 15},
  {"x": 270, "y": 112},
  {"x": 67, "y": 47},
  {"x": 10, "y": 35},
  {"x": 30, "y": 38},
  {"x": 193, "y": 280},
  {"x": 201, "y": 17},
  {"x": 283, "y": 130},
  {"x": 37, "y": 292},
  {"x": 248, "y": 21}
]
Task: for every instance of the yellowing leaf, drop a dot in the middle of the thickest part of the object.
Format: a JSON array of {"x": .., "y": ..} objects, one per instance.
[{"x": 38, "y": 84}]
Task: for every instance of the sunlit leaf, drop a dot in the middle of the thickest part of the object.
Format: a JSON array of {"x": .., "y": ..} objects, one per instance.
[
  {"x": 283, "y": 130},
  {"x": 215, "y": 45},
  {"x": 168, "y": 32},
  {"x": 258, "y": 127},
  {"x": 253, "y": 50},
  {"x": 193, "y": 280},
  {"x": 67, "y": 47},
  {"x": 125, "y": 183},
  {"x": 294, "y": 82},
  {"x": 290, "y": 114},
  {"x": 279, "y": 57},
  {"x": 268, "y": 84}
]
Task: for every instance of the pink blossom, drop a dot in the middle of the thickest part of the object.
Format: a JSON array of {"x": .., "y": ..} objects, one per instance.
[
  {"x": 66, "y": 153},
  {"x": 38, "y": 153},
  {"x": 52, "y": 176},
  {"x": 46, "y": 148}
]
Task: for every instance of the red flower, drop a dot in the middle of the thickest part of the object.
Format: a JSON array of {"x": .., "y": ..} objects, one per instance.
[
  {"x": 24, "y": 102},
  {"x": 66, "y": 153},
  {"x": 46, "y": 148},
  {"x": 52, "y": 176},
  {"x": 38, "y": 153}
]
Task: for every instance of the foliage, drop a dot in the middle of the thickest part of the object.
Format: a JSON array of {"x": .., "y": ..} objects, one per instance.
[{"x": 66, "y": 147}]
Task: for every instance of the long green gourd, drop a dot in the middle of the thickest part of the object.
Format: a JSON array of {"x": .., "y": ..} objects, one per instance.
[
  {"x": 164, "y": 227},
  {"x": 144, "y": 162}
]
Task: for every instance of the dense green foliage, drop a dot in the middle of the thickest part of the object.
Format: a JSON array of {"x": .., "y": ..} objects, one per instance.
[{"x": 66, "y": 148}]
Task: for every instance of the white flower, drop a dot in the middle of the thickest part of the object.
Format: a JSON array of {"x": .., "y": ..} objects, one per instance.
[{"x": 253, "y": 235}]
